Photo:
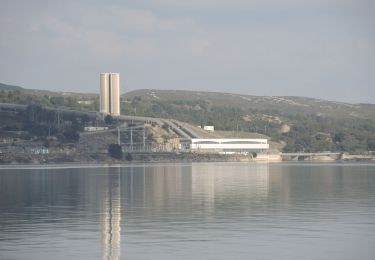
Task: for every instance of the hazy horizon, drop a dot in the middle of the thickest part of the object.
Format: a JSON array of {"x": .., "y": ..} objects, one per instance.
[{"x": 310, "y": 48}]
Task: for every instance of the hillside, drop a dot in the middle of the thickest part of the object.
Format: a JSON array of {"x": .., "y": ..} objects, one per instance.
[
  {"x": 9, "y": 87},
  {"x": 286, "y": 105},
  {"x": 66, "y": 100},
  {"x": 304, "y": 124}
]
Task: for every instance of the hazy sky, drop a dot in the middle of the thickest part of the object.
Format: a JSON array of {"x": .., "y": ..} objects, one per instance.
[{"x": 315, "y": 48}]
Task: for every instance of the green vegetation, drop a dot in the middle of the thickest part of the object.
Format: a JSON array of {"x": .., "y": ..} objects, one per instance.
[
  {"x": 312, "y": 133},
  {"x": 129, "y": 157},
  {"x": 50, "y": 100},
  {"x": 304, "y": 124},
  {"x": 108, "y": 120},
  {"x": 239, "y": 134},
  {"x": 9, "y": 87},
  {"x": 39, "y": 122},
  {"x": 71, "y": 135}
]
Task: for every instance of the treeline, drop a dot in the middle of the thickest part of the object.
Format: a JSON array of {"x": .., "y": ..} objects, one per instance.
[
  {"x": 26, "y": 98},
  {"x": 309, "y": 133},
  {"x": 42, "y": 123},
  {"x": 314, "y": 133}
]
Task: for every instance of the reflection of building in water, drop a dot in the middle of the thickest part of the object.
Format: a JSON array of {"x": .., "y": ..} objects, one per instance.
[
  {"x": 111, "y": 217},
  {"x": 222, "y": 184},
  {"x": 166, "y": 183},
  {"x": 156, "y": 188}
]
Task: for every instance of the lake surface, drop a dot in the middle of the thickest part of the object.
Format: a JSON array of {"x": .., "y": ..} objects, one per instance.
[{"x": 188, "y": 211}]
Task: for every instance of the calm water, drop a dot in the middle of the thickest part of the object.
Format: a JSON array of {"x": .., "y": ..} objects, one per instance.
[{"x": 189, "y": 211}]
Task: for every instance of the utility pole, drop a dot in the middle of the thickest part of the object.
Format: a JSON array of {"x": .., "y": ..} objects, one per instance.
[
  {"x": 118, "y": 136},
  {"x": 59, "y": 119},
  {"x": 144, "y": 138},
  {"x": 131, "y": 138}
]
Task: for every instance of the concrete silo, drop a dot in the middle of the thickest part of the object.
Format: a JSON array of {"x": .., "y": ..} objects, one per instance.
[{"x": 110, "y": 93}]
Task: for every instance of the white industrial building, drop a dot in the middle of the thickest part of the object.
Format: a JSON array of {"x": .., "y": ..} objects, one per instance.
[
  {"x": 95, "y": 128},
  {"x": 228, "y": 145},
  {"x": 209, "y": 128},
  {"x": 110, "y": 93}
]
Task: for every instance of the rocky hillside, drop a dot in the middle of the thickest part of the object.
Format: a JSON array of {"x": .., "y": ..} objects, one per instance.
[
  {"x": 304, "y": 124},
  {"x": 9, "y": 87},
  {"x": 287, "y": 105}
]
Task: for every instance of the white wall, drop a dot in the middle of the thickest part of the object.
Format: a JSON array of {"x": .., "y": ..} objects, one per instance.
[{"x": 221, "y": 144}]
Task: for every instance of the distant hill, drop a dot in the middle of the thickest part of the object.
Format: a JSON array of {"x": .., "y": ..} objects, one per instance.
[
  {"x": 284, "y": 104},
  {"x": 304, "y": 124},
  {"x": 9, "y": 87},
  {"x": 14, "y": 88},
  {"x": 66, "y": 100},
  {"x": 45, "y": 92}
]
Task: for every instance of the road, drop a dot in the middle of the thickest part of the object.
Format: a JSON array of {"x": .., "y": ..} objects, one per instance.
[{"x": 176, "y": 126}]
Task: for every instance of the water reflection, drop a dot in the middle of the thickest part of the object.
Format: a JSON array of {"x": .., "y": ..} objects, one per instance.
[
  {"x": 219, "y": 188},
  {"x": 225, "y": 179},
  {"x": 188, "y": 211},
  {"x": 111, "y": 216}
]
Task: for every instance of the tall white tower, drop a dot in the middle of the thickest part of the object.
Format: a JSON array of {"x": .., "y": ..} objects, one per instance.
[{"x": 110, "y": 93}]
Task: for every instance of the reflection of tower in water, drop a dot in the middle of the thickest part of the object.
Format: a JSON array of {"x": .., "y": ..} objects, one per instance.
[{"x": 111, "y": 217}]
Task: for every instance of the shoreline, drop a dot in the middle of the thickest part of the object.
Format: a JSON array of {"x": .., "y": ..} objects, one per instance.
[
  {"x": 167, "y": 157},
  {"x": 162, "y": 164},
  {"x": 46, "y": 160}
]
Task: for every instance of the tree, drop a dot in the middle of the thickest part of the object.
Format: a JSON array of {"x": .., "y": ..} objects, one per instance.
[
  {"x": 338, "y": 137},
  {"x": 108, "y": 120},
  {"x": 37, "y": 129},
  {"x": 115, "y": 151},
  {"x": 85, "y": 119},
  {"x": 57, "y": 100},
  {"x": 371, "y": 143},
  {"x": 165, "y": 127},
  {"x": 33, "y": 112},
  {"x": 71, "y": 135},
  {"x": 129, "y": 157}
]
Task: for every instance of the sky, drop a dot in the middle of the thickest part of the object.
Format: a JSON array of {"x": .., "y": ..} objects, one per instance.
[{"x": 314, "y": 48}]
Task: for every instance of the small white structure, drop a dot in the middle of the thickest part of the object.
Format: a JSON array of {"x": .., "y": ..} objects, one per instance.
[
  {"x": 39, "y": 151},
  {"x": 228, "y": 145},
  {"x": 209, "y": 128},
  {"x": 95, "y": 128},
  {"x": 85, "y": 102}
]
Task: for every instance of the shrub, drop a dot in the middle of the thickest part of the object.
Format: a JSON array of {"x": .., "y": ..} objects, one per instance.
[{"x": 115, "y": 151}]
